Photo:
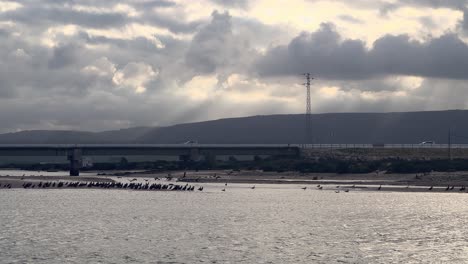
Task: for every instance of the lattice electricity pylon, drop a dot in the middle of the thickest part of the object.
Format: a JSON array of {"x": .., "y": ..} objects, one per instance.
[{"x": 308, "y": 114}]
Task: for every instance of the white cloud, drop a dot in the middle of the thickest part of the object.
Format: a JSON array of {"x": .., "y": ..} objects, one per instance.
[
  {"x": 101, "y": 67},
  {"x": 135, "y": 75},
  {"x": 9, "y": 5}
]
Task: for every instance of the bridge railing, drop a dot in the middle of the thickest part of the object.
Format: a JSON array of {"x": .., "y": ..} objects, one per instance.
[
  {"x": 384, "y": 146},
  {"x": 178, "y": 146}
]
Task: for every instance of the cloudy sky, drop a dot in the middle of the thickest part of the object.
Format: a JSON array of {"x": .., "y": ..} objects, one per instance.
[{"x": 98, "y": 65}]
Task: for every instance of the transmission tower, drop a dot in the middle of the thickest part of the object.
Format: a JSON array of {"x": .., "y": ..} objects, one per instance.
[{"x": 308, "y": 115}]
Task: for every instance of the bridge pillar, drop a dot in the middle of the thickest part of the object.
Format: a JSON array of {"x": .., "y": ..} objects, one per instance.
[
  {"x": 75, "y": 159},
  {"x": 194, "y": 154}
]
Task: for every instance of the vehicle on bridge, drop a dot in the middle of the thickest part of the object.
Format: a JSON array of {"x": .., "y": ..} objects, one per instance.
[{"x": 427, "y": 143}]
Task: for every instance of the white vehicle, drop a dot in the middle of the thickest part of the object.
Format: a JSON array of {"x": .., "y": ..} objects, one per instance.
[{"x": 427, "y": 143}]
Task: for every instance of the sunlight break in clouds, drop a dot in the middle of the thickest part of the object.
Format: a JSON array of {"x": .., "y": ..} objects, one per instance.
[{"x": 135, "y": 76}]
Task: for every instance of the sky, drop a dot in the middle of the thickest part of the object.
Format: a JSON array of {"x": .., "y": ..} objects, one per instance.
[{"x": 103, "y": 65}]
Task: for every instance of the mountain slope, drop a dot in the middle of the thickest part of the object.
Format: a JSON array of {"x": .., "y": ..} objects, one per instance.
[
  {"x": 74, "y": 137},
  {"x": 341, "y": 128}
]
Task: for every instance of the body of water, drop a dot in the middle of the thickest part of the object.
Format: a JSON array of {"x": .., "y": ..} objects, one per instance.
[{"x": 268, "y": 224}]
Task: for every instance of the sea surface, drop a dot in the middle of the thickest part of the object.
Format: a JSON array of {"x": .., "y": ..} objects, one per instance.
[{"x": 268, "y": 224}]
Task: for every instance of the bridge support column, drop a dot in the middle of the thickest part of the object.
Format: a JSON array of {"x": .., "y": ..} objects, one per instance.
[
  {"x": 75, "y": 161},
  {"x": 194, "y": 154}
]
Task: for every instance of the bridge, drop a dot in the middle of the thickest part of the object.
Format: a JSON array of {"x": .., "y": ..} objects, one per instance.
[{"x": 193, "y": 152}]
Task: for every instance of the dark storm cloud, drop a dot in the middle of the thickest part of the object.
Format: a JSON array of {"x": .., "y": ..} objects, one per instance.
[
  {"x": 100, "y": 4},
  {"x": 28, "y": 69},
  {"x": 464, "y": 22},
  {"x": 232, "y": 3},
  {"x": 321, "y": 53},
  {"x": 350, "y": 19},
  {"x": 215, "y": 48},
  {"x": 225, "y": 46},
  {"x": 327, "y": 56},
  {"x": 207, "y": 50},
  {"x": 456, "y": 4},
  {"x": 173, "y": 24},
  {"x": 53, "y": 13},
  {"x": 64, "y": 56},
  {"x": 153, "y": 4},
  {"x": 137, "y": 45},
  {"x": 60, "y": 15},
  {"x": 443, "y": 57}
]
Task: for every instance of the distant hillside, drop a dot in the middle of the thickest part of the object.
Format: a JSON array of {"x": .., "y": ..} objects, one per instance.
[
  {"x": 75, "y": 137},
  {"x": 341, "y": 128}
]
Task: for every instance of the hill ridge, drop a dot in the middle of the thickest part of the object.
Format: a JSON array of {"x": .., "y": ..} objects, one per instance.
[{"x": 336, "y": 128}]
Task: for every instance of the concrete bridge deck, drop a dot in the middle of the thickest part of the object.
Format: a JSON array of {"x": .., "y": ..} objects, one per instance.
[{"x": 194, "y": 152}]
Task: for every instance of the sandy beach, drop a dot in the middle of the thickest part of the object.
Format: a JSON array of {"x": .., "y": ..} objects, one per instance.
[
  {"x": 372, "y": 181},
  {"x": 417, "y": 179}
]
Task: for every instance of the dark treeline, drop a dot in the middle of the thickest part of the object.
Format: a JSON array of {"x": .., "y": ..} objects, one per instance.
[
  {"x": 158, "y": 165},
  {"x": 325, "y": 165},
  {"x": 330, "y": 165}
]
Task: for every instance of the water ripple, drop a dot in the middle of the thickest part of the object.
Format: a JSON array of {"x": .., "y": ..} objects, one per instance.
[{"x": 265, "y": 225}]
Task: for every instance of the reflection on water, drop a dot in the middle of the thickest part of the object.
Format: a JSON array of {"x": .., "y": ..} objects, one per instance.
[{"x": 271, "y": 224}]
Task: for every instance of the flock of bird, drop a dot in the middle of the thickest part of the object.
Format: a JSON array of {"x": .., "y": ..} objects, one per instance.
[
  {"x": 108, "y": 185},
  {"x": 132, "y": 185},
  {"x": 451, "y": 188}
]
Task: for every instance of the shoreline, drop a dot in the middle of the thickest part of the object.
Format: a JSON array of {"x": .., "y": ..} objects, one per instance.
[
  {"x": 439, "y": 181},
  {"x": 414, "y": 182}
]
